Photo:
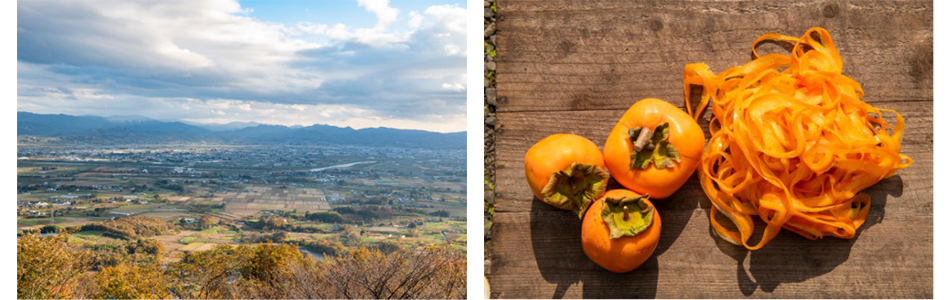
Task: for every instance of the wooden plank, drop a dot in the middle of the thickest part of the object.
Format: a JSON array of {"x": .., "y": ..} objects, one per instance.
[
  {"x": 691, "y": 262},
  {"x": 536, "y": 248},
  {"x": 581, "y": 55},
  {"x": 520, "y": 130},
  {"x": 575, "y": 67}
]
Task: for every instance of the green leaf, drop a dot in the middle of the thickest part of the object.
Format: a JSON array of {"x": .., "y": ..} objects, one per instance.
[
  {"x": 661, "y": 133},
  {"x": 575, "y": 187},
  {"x": 642, "y": 159},
  {"x": 663, "y": 155},
  {"x": 637, "y": 218}
]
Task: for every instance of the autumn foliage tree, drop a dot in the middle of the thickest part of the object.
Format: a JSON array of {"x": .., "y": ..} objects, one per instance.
[
  {"x": 142, "y": 280},
  {"x": 282, "y": 271},
  {"x": 131, "y": 227},
  {"x": 48, "y": 267},
  {"x": 207, "y": 221},
  {"x": 52, "y": 267},
  {"x": 430, "y": 272}
]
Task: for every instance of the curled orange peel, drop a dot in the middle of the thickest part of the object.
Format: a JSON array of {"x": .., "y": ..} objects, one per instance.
[{"x": 791, "y": 142}]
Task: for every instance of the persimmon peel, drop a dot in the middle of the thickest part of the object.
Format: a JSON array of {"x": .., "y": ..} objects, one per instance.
[
  {"x": 792, "y": 142},
  {"x": 627, "y": 216}
]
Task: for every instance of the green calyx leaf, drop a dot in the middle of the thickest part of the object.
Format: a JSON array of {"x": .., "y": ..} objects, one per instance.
[
  {"x": 656, "y": 148},
  {"x": 575, "y": 187},
  {"x": 627, "y": 216}
]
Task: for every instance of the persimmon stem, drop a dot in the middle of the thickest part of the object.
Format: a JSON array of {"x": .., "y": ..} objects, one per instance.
[
  {"x": 643, "y": 139},
  {"x": 626, "y": 213}
]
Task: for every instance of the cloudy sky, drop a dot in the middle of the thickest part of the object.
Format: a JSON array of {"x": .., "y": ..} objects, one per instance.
[{"x": 358, "y": 63}]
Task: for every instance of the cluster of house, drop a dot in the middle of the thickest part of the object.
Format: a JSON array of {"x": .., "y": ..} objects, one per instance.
[{"x": 60, "y": 204}]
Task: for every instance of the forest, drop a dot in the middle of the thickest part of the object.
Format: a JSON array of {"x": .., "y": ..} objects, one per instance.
[{"x": 53, "y": 267}]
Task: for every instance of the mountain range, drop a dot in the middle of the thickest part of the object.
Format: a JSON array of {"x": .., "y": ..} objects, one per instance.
[{"x": 95, "y": 130}]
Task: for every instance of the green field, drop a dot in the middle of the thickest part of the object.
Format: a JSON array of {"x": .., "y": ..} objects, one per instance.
[
  {"x": 188, "y": 240},
  {"x": 38, "y": 221}
]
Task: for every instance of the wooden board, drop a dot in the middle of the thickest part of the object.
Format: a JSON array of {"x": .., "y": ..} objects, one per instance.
[{"x": 575, "y": 66}]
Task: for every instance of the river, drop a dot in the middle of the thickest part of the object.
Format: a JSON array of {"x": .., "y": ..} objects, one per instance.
[{"x": 342, "y": 166}]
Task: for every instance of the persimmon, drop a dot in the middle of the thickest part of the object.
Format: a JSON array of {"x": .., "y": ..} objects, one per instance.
[
  {"x": 654, "y": 148},
  {"x": 566, "y": 171},
  {"x": 620, "y": 230}
]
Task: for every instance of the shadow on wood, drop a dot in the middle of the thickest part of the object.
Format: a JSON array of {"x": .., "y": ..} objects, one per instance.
[
  {"x": 556, "y": 239},
  {"x": 792, "y": 258}
]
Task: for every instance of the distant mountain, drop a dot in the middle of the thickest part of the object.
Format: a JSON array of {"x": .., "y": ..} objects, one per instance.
[
  {"x": 128, "y": 119},
  {"x": 224, "y": 127},
  {"x": 141, "y": 130},
  {"x": 53, "y": 125}
]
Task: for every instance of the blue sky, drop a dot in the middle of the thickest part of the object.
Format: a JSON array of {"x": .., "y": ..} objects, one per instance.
[{"x": 361, "y": 63}]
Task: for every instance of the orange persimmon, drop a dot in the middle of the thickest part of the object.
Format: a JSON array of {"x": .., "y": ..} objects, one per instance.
[
  {"x": 654, "y": 148},
  {"x": 566, "y": 171},
  {"x": 620, "y": 230}
]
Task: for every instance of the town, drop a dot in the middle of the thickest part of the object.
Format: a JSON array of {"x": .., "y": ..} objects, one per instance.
[{"x": 325, "y": 199}]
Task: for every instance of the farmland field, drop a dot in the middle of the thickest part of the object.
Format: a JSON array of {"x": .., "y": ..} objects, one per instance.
[{"x": 214, "y": 195}]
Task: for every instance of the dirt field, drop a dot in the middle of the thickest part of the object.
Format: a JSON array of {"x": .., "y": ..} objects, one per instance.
[
  {"x": 257, "y": 198},
  {"x": 188, "y": 240}
]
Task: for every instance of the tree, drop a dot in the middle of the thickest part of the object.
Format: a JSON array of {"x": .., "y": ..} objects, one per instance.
[
  {"x": 326, "y": 217},
  {"x": 275, "y": 222},
  {"x": 440, "y": 213},
  {"x": 207, "y": 221},
  {"x": 51, "y": 267},
  {"x": 388, "y": 247},
  {"x": 128, "y": 281},
  {"x": 47, "y": 267},
  {"x": 345, "y": 210},
  {"x": 205, "y": 274},
  {"x": 281, "y": 236},
  {"x": 250, "y": 272},
  {"x": 146, "y": 246},
  {"x": 425, "y": 273},
  {"x": 51, "y": 229}
]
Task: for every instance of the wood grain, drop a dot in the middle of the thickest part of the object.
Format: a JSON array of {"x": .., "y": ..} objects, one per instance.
[
  {"x": 581, "y": 55},
  {"x": 576, "y": 66}
]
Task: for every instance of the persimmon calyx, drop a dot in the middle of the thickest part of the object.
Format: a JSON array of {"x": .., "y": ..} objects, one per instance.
[
  {"x": 627, "y": 216},
  {"x": 652, "y": 146},
  {"x": 575, "y": 187}
]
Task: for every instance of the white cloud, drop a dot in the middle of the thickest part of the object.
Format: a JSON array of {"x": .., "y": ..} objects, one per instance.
[
  {"x": 83, "y": 56},
  {"x": 228, "y": 110},
  {"x": 452, "y": 49},
  {"x": 415, "y": 20},
  {"x": 450, "y": 17},
  {"x": 385, "y": 14},
  {"x": 453, "y": 86}
]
